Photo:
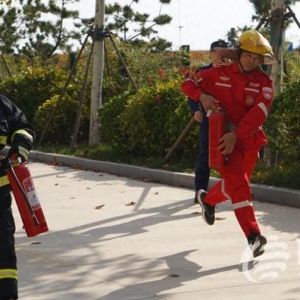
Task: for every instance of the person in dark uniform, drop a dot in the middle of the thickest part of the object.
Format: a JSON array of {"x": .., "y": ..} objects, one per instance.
[
  {"x": 18, "y": 133},
  {"x": 202, "y": 170}
]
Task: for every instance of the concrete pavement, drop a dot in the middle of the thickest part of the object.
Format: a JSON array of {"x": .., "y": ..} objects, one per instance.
[
  {"x": 270, "y": 194},
  {"x": 117, "y": 238}
]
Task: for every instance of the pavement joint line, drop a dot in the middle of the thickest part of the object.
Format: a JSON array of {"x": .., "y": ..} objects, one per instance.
[{"x": 44, "y": 258}]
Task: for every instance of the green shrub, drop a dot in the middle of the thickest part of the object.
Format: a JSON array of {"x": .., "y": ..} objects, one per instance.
[
  {"x": 29, "y": 89},
  {"x": 109, "y": 118},
  {"x": 283, "y": 125},
  {"x": 281, "y": 175},
  {"x": 149, "y": 121},
  {"x": 61, "y": 128}
]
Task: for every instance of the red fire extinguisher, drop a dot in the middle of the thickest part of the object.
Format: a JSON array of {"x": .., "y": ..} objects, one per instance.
[
  {"x": 217, "y": 128},
  {"x": 27, "y": 200}
]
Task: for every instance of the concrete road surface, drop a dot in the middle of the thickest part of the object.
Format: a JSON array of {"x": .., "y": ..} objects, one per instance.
[{"x": 115, "y": 238}]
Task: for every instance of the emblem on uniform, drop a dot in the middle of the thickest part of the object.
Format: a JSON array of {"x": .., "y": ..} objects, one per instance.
[
  {"x": 267, "y": 92},
  {"x": 249, "y": 100}
]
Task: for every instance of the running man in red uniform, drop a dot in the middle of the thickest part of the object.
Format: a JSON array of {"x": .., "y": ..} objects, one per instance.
[{"x": 246, "y": 95}]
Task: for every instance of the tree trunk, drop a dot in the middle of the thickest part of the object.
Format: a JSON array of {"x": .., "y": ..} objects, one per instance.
[{"x": 96, "y": 95}]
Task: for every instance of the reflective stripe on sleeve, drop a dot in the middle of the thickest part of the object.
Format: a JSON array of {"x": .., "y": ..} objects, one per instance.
[
  {"x": 9, "y": 273},
  {"x": 242, "y": 204},
  {"x": 23, "y": 152},
  {"x": 4, "y": 181},
  {"x": 223, "y": 84},
  {"x": 252, "y": 90},
  {"x": 263, "y": 107},
  {"x": 24, "y": 133},
  {"x": 3, "y": 140}
]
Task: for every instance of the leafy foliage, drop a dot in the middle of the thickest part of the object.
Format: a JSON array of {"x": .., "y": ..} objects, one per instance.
[
  {"x": 283, "y": 125},
  {"x": 31, "y": 88},
  {"x": 143, "y": 65},
  {"x": 33, "y": 28},
  {"x": 147, "y": 122},
  {"x": 282, "y": 176},
  {"x": 36, "y": 91},
  {"x": 109, "y": 115},
  {"x": 58, "y": 132},
  {"x": 133, "y": 27},
  {"x": 140, "y": 121},
  {"x": 263, "y": 7}
]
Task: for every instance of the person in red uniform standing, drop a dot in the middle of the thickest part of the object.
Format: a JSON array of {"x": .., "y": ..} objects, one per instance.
[{"x": 246, "y": 94}]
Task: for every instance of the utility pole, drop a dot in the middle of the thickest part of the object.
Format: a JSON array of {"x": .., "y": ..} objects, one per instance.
[
  {"x": 277, "y": 38},
  {"x": 98, "y": 67}
]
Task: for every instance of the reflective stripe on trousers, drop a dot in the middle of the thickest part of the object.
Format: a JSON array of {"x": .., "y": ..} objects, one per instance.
[
  {"x": 8, "y": 273},
  {"x": 242, "y": 204}
]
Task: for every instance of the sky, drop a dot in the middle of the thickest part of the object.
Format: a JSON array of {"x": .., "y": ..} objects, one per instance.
[{"x": 196, "y": 22}]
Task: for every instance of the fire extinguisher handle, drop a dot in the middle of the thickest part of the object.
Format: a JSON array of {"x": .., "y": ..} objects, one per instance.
[
  {"x": 8, "y": 161},
  {"x": 11, "y": 154}
]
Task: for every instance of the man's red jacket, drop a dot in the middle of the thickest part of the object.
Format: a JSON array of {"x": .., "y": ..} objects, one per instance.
[{"x": 245, "y": 97}]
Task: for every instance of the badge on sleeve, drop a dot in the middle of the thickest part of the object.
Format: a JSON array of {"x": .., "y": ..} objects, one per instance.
[
  {"x": 249, "y": 100},
  {"x": 267, "y": 92}
]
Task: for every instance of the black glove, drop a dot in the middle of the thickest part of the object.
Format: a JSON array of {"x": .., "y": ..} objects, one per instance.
[{"x": 19, "y": 150}]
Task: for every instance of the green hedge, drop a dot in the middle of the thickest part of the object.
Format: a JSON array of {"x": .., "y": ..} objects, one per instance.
[
  {"x": 30, "y": 89},
  {"x": 149, "y": 121},
  {"x": 61, "y": 128}
]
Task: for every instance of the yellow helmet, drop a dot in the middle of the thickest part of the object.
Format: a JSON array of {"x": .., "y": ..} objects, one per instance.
[{"x": 254, "y": 42}]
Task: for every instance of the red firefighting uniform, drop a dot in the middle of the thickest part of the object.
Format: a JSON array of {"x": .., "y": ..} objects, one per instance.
[{"x": 246, "y": 99}]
